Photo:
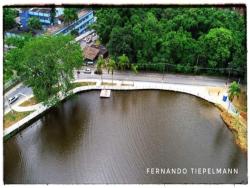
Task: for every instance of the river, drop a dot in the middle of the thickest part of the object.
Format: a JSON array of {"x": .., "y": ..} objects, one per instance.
[{"x": 116, "y": 140}]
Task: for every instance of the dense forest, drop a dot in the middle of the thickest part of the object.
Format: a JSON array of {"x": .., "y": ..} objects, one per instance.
[{"x": 179, "y": 39}]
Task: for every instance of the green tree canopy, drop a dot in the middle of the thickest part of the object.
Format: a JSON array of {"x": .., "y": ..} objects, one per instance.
[
  {"x": 123, "y": 62},
  {"x": 70, "y": 15},
  {"x": 34, "y": 23},
  {"x": 199, "y": 39},
  {"x": 9, "y": 16},
  {"x": 234, "y": 90},
  {"x": 46, "y": 64}
]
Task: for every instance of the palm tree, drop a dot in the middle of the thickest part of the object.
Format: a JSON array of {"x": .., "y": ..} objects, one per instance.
[
  {"x": 111, "y": 66},
  {"x": 100, "y": 65},
  {"x": 134, "y": 69},
  {"x": 123, "y": 61},
  {"x": 70, "y": 15},
  {"x": 234, "y": 90}
]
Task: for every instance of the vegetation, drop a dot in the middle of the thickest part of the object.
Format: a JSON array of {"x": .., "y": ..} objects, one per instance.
[
  {"x": 123, "y": 62},
  {"x": 100, "y": 65},
  {"x": 239, "y": 129},
  {"x": 234, "y": 90},
  {"x": 34, "y": 23},
  {"x": 29, "y": 102},
  {"x": 80, "y": 84},
  {"x": 53, "y": 15},
  {"x": 13, "y": 117},
  {"x": 70, "y": 15},
  {"x": 111, "y": 66},
  {"x": 188, "y": 40},
  {"x": 9, "y": 15},
  {"x": 46, "y": 64},
  {"x": 108, "y": 84}
]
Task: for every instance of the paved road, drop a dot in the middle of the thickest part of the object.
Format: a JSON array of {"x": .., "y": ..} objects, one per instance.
[
  {"x": 149, "y": 77},
  {"x": 158, "y": 77}
]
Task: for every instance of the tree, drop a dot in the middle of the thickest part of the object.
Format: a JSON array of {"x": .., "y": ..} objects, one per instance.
[
  {"x": 217, "y": 45},
  {"x": 134, "y": 68},
  {"x": 9, "y": 16},
  {"x": 74, "y": 33},
  {"x": 200, "y": 38},
  {"x": 123, "y": 62},
  {"x": 18, "y": 41},
  {"x": 70, "y": 15},
  {"x": 111, "y": 66},
  {"x": 34, "y": 23},
  {"x": 234, "y": 90},
  {"x": 100, "y": 65},
  {"x": 46, "y": 64},
  {"x": 52, "y": 15}
]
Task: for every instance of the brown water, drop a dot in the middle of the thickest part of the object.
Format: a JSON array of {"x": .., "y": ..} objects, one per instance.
[{"x": 92, "y": 140}]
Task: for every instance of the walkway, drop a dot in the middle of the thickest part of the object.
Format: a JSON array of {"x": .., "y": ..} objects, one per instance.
[{"x": 199, "y": 91}]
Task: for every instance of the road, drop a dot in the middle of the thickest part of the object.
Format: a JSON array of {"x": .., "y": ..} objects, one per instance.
[{"x": 22, "y": 90}]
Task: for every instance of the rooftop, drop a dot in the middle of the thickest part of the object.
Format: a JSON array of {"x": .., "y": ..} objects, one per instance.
[
  {"x": 82, "y": 13},
  {"x": 90, "y": 53},
  {"x": 41, "y": 10},
  {"x": 54, "y": 28}
]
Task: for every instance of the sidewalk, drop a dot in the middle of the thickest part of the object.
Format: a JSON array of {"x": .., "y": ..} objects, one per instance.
[{"x": 199, "y": 91}]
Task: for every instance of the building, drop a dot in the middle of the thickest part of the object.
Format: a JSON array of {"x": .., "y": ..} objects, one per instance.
[
  {"x": 102, "y": 50},
  {"x": 85, "y": 18},
  {"x": 43, "y": 14},
  {"x": 91, "y": 53}
]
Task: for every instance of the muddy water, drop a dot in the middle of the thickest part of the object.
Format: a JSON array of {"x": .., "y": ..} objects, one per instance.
[{"x": 115, "y": 140}]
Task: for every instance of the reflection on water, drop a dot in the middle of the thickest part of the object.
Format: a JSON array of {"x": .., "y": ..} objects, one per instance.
[{"x": 93, "y": 140}]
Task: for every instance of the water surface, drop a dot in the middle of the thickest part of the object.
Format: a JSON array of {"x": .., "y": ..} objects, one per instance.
[{"x": 92, "y": 140}]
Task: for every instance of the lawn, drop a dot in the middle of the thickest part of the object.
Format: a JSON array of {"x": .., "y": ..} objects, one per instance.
[
  {"x": 29, "y": 102},
  {"x": 79, "y": 84},
  {"x": 108, "y": 84},
  {"x": 12, "y": 117}
]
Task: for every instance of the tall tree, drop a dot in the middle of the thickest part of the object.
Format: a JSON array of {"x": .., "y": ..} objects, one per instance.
[
  {"x": 199, "y": 40},
  {"x": 123, "y": 62},
  {"x": 217, "y": 45},
  {"x": 9, "y": 16},
  {"x": 111, "y": 66},
  {"x": 100, "y": 66},
  {"x": 52, "y": 15},
  {"x": 234, "y": 90},
  {"x": 34, "y": 23},
  {"x": 46, "y": 64},
  {"x": 134, "y": 69},
  {"x": 70, "y": 15}
]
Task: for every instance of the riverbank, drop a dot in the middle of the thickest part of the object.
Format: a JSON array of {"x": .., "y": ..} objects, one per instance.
[
  {"x": 237, "y": 125},
  {"x": 199, "y": 91}
]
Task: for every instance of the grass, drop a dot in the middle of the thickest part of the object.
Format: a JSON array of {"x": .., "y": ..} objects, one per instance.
[
  {"x": 127, "y": 85},
  {"x": 29, "y": 102},
  {"x": 108, "y": 84},
  {"x": 241, "y": 102},
  {"x": 12, "y": 117},
  {"x": 79, "y": 84}
]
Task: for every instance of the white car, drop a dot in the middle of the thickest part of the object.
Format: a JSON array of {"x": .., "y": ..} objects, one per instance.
[
  {"x": 90, "y": 63},
  {"x": 87, "y": 71},
  {"x": 13, "y": 99}
]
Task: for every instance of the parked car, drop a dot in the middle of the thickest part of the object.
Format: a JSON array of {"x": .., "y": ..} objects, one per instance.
[
  {"x": 90, "y": 63},
  {"x": 13, "y": 99},
  {"x": 87, "y": 71}
]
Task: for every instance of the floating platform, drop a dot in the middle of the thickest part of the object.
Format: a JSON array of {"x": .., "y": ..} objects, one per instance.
[{"x": 105, "y": 93}]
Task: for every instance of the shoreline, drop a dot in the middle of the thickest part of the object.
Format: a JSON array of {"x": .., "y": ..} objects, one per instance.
[{"x": 198, "y": 91}]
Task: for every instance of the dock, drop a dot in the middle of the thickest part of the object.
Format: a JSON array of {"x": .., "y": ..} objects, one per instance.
[{"x": 105, "y": 93}]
